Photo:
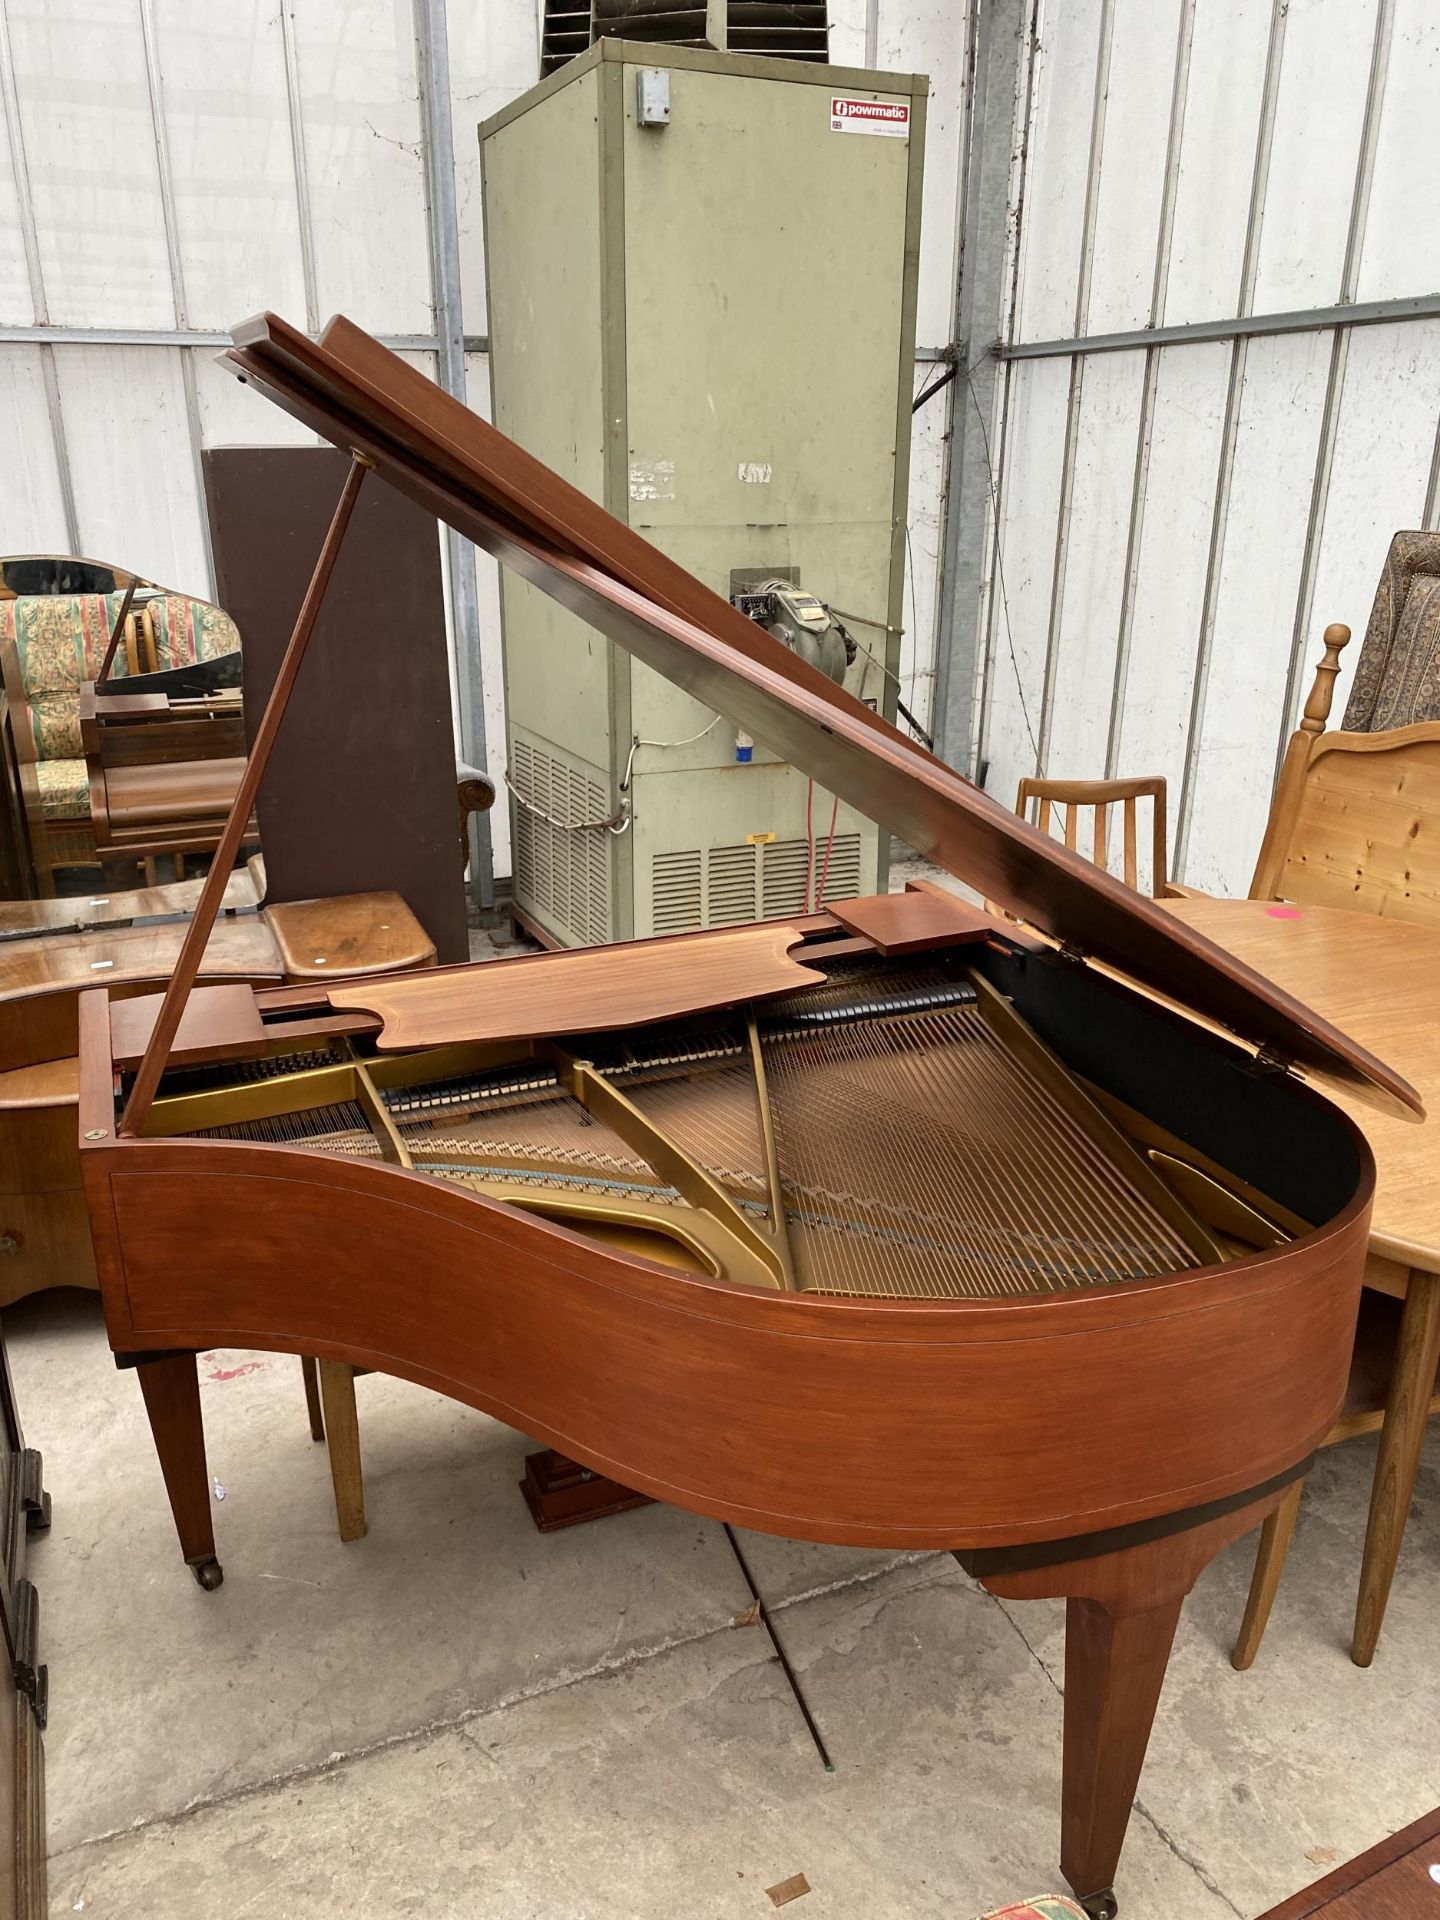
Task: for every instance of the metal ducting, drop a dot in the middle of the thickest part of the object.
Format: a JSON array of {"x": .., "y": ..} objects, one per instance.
[{"x": 783, "y": 29}]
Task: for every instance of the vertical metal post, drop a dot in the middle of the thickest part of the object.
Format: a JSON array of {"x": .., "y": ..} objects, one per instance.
[
  {"x": 298, "y": 163},
  {"x": 433, "y": 72},
  {"x": 997, "y": 29}
]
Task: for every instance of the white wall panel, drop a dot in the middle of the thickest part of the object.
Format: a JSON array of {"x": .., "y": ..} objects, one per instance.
[
  {"x": 17, "y": 309},
  {"x": 1132, "y": 171},
  {"x": 1263, "y": 548},
  {"x": 136, "y": 493},
  {"x": 1187, "y": 423},
  {"x": 1217, "y": 159},
  {"x": 1021, "y": 587},
  {"x": 228, "y": 130},
  {"x": 1384, "y": 441},
  {"x": 922, "y": 559},
  {"x": 1106, "y": 433},
  {"x": 1401, "y": 253},
  {"x": 1052, "y": 237},
  {"x": 848, "y": 37},
  {"x": 494, "y": 54},
  {"x": 927, "y": 36},
  {"x": 361, "y": 111},
  {"x": 1319, "y": 115},
  {"x": 32, "y": 512},
  {"x": 90, "y": 148},
  {"x": 233, "y": 414}
]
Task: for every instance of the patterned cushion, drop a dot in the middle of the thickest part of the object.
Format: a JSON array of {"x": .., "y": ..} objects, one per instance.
[
  {"x": 1397, "y": 677},
  {"x": 60, "y": 641},
  {"x": 55, "y": 724},
  {"x": 64, "y": 789},
  {"x": 1046, "y": 1906},
  {"x": 183, "y": 631}
]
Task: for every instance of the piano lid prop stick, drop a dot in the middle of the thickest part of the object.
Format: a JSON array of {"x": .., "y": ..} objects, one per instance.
[
  {"x": 187, "y": 966},
  {"x": 115, "y": 633}
]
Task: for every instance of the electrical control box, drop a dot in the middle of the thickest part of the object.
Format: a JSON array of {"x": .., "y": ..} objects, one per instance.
[{"x": 706, "y": 322}]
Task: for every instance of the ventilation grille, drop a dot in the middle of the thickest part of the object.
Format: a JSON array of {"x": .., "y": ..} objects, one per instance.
[
  {"x": 729, "y": 885},
  {"x": 562, "y": 874},
  {"x": 730, "y": 872},
  {"x": 675, "y": 892},
  {"x": 786, "y": 29},
  {"x": 669, "y": 23},
  {"x": 784, "y": 869},
  {"x": 566, "y": 33},
  {"x": 789, "y": 29}
]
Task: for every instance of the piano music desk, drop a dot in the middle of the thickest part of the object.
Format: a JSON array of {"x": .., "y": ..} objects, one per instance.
[
  {"x": 44, "y": 1231},
  {"x": 1374, "y": 978}
]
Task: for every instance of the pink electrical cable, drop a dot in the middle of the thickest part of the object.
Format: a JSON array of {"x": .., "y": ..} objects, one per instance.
[
  {"x": 829, "y": 849},
  {"x": 810, "y": 843}
]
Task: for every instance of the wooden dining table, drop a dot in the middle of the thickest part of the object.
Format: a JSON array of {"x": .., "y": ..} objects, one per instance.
[{"x": 1377, "y": 979}]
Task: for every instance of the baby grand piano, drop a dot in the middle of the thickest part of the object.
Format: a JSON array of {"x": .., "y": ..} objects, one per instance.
[{"x": 890, "y": 1225}]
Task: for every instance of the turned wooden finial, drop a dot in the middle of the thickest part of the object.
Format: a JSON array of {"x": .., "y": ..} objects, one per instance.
[{"x": 1317, "y": 707}]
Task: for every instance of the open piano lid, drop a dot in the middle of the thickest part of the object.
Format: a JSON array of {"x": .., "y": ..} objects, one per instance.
[{"x": 365, "y": 399}]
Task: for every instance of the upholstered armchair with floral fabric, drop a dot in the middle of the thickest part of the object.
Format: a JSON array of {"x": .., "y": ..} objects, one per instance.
[
  {"x": 1397, "y": 677},
  {"x": 50, "y": 645}
]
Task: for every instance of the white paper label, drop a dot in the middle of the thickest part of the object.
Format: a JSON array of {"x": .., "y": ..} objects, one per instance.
[
  {"x": 888, "y": 118},
  {"x": 652, "y": 479},
  {"x": 756, "y": 473}
]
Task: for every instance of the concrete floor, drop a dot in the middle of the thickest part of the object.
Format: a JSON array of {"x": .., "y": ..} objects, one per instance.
[{"x": 458, "y": 1717}]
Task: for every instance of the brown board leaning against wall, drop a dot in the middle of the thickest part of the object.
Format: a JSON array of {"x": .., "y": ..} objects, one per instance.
[{"x": 360, "y": 793}]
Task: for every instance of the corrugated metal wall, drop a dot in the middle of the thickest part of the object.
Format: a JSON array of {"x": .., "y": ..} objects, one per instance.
[
  {"x": 170, "y": 168},
  {"x": 1172, "y": 526}
]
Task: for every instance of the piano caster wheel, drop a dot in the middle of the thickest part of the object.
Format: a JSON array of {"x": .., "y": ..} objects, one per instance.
[
  {"x": 1102, "y": 1905},
  {"x": 208, "y": 1572}
]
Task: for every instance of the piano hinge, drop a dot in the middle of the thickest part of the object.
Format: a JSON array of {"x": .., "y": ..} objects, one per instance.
[
  {"x": 1271, "y": 1060},
  {"x": 31, "y": 1677}
]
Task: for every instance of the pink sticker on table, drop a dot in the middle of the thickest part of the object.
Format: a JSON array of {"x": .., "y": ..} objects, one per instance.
[{"x": 1284, "y": 913}]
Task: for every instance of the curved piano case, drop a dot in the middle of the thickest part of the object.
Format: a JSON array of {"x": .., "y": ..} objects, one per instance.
[{"x": 1009, "y": 1419}]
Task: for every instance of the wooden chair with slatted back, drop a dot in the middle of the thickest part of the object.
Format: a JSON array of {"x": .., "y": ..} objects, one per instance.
[
  {"x": 1355, "y": 821},
  {"x": 1070, "y": 798}
]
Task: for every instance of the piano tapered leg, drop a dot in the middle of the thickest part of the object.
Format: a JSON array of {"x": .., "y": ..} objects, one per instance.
[
  {"x": 172, "y": 1400},
  {"x": 1114, "y": 1670},
  {"x": 1121, "y": 1612}
]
